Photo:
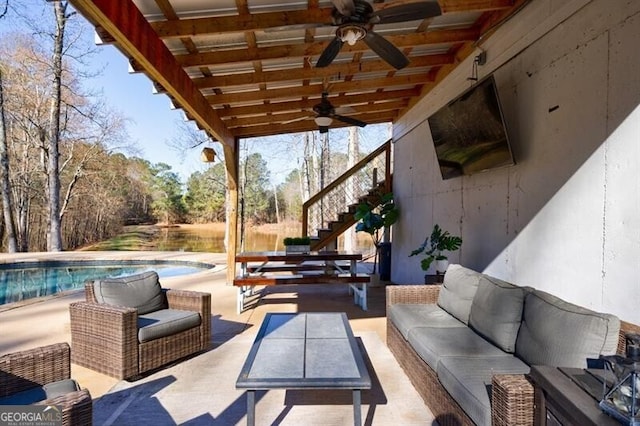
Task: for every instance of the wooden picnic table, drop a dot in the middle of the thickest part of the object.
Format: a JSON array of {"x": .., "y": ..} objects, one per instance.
[{"x": 268, "y": 268}]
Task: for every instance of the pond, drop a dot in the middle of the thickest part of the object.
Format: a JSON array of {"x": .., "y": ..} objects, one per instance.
[
  {"x": 210, "y": 238},
  {"x": 28, "y": 280}
]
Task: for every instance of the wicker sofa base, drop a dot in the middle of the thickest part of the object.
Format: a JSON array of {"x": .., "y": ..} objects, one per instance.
[{"x": 445, "y": 409}]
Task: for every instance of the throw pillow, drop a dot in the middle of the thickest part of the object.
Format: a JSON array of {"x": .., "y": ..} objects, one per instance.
[
  {"x": 457, "y": 291},
  {"x": 140, "y": 291},
  {"x": 496, "y": 312}
]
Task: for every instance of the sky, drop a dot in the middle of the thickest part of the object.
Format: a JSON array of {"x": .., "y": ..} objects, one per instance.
[
  {"x": 152, "y": 124},
  {"x": 152, "y": 121}
]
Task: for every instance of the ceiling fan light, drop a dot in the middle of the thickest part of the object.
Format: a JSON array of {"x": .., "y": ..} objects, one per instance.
[
  {"x": 351, "y": 33},
  {"x": 323, "y": 121}
]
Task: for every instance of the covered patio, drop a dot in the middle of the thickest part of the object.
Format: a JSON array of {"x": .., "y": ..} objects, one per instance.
[
  {"x": 562, "y": 220},
  {"x": 200, "y": 390}
]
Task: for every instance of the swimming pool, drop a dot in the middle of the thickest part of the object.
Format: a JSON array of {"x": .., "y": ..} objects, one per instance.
[{"x": 28, "y": 280}]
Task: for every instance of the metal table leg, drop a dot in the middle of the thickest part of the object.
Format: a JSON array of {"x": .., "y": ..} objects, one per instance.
[
  {"x": 357, "y": 409},
  {"x": 240, "y": 301},
  {"x": 251, "y": 408}
]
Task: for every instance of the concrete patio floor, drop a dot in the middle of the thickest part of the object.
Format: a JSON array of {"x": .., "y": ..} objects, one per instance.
[{"x": 26, "y": 325}]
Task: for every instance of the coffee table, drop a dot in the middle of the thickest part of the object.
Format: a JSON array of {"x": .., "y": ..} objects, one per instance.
[{"x": 304, "y": 351}]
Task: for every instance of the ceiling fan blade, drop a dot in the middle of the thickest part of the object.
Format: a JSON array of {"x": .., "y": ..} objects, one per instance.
[
  {"x": 344, "y": 110},
  {"x": 407, "y": 12},
  {"x": 330, "y": 53},
  {"x": 349, "y": 120},
  {"x": 295, "y": 120},
  {"x": 294, "y": 27},
  {"x": 345, "y": 7},
  {"x": 386, "y": 50}
]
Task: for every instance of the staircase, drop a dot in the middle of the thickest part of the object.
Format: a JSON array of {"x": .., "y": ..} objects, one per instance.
[{"x": 330, "y": 211}]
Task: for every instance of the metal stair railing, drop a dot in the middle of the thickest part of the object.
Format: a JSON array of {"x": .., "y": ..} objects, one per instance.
[{"x": 327, "y": 209}]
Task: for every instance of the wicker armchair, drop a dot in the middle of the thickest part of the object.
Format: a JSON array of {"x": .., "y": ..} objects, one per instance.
[
  {"x": 31, "y": 369},
  {"x": 104, "y": 337}
]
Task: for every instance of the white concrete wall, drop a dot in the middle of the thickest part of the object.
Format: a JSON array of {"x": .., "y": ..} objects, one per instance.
[{"x": 566, "y": 217}]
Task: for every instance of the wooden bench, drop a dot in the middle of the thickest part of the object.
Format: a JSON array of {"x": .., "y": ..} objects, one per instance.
[
  {"x": 300, "y": 267},
  {"x": 270, "y": 279}
]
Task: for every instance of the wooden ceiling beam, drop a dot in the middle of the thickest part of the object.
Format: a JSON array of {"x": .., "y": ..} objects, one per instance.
[
  {"x": 233, "y": 56},
  {"x": 333, "y": 70},
  {"x": 124, "y": 22},
  {"x": 317, "y": 89},
  {"x": 358, "y": 110},
  {"x": 233, "y": 24},
  {"x": 307, "y": 125},
  {"x": 274, "y": 20},
  {"x": 451, "y": 6},
  {"x": 293, "y": 106}
]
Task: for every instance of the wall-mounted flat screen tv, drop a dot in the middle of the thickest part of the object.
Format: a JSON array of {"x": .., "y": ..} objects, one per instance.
[{"x": 470, "y": 134}]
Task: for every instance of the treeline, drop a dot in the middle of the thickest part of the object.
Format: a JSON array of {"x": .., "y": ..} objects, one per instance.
[{"x": 65, "y": 178}]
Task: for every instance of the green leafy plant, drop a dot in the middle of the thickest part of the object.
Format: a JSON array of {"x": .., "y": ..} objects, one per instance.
[
  {"x": 433, "y": 246},
  {"x": 296, "y": 241},
  {"x": 373, "y": 218}
]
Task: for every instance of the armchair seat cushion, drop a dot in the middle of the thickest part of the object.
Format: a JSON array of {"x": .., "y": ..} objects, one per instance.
[
  {"x": 165, "y": 322},
  {"x": 40, "y": 393}
]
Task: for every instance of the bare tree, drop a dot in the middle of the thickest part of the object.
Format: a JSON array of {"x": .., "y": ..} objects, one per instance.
[
  {"x": 54, "y": 237},
  {"x": 7, "y": 202}
]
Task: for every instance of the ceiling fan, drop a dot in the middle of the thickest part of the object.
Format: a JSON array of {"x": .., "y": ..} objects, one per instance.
[
  {"x": 355, "y": 20},
  {"x": 326, "y": 113}
]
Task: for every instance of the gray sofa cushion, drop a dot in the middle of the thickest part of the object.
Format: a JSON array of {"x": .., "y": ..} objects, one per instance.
[
  {"x": 558, "y": 333},
  {"x": 61, "y": 387},
  {"x": 40, "y": 393},
  {"x": 165, "y": 322},
  {"x": 457, "y": 291},
  {"x": 140, "y": 291},
  {"x": 468, "y": 381},
  {"x": 435, "y": 344},
  {"x": 496, "y": 312},
  {"x": 407, "y": 316}
]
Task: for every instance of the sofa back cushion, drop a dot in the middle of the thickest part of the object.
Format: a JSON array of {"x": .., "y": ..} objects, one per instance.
[
  {"x": 140, "y": 291},
  {"x": 457, "y": 291},
  {"x": 496, "y": 312},
  {"x": 558, "y": 333}
]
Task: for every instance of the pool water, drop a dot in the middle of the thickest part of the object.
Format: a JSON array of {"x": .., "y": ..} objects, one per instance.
[{"x": 22, "y": 281}]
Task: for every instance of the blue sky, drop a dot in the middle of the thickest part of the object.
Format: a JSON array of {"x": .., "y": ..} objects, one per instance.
[{"x": 152, "y": 121}]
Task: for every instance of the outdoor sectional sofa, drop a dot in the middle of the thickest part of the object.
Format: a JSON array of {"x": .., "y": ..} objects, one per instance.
[{"x": 467, "y": 344}]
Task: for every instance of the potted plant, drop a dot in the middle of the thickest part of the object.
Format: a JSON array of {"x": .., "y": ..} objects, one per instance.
[
  {"x": 373, "y": 218},
  {"x": 433, "y": 247},
  {"x": 297, "y": 244}
]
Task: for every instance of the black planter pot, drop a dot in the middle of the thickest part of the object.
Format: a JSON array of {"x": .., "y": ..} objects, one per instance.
[{"x": 434, "y": 279}]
